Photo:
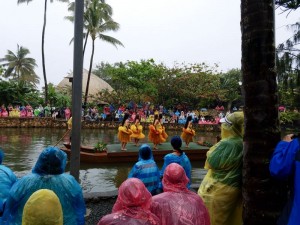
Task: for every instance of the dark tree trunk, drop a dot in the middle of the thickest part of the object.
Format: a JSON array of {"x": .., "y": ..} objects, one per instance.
[
  {"x": 85, "y": 42},
  {"x": 43, "y": 53},
  {"x": 89, "y": 74},
  {"x": 263, "y": 198}
]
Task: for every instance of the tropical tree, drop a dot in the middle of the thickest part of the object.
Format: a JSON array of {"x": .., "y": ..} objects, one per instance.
[
  {"x": 19, "y": 66},
  {"x": 231, "y": 87},
  {"x": 263, "y": 198},
  {"x": 98, "y": 21},
  {"x": 43, "y": 41}
]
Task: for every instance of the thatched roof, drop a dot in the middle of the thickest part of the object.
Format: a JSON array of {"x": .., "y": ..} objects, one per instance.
[{"x": 96, "y": 83}]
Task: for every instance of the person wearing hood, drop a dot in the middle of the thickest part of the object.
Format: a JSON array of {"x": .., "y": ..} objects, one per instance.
[
  {"x": 285, "y": 165},
  {"x": 48, "y": 173},
  {"x": 146, "y": 169},
  {"x": 178, "y": 156},
  {"x": 221, "y": 186},
  {"x": 7, "y": 179},
  {"x": 177, "y": 205},
  {"x": 43, "y": 208},
  {"x": 132, "y": 206}
]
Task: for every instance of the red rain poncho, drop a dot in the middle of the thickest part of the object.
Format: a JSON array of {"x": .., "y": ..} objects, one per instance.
[
  {"x": 132, "y": 206},
  {"x": 177, "y": 205}
]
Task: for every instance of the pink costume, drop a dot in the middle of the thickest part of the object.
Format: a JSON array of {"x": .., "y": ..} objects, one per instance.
[
  {"x": 23, "y": 113},
  {"x": 177, "y": 205},
  {"x": 132, "y": 206},
  {"x": 67, "y": 113},
  {"x": 4, "y": 113}
]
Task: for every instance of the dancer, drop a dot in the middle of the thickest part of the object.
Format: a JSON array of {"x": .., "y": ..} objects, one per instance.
[
  {"x": 137, "y": 131},
  {"x": 164, "y": 133},
  {"x": 188, "y": 132},
  {"x": 155, "y": 133},
  {"x": 124, "y": 132}
]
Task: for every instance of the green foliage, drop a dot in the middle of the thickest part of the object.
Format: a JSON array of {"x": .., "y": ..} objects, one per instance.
[
  {"x": 289, "y": 117},
  {"x": 57, "y": 97},
  {"x": 19, "y": 67},
  {"x": 18, "y": 93},
  {"x": 100, "y": 146}
]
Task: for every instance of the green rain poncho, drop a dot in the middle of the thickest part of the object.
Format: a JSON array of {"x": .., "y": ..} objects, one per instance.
[
  {"x": 221, "y": 187},
  {"x": 42, "y": 208}
]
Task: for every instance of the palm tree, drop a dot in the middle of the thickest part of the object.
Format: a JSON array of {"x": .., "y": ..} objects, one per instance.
[
  {"x": 98, "y": 21},
  {"x": 43, "y": 41},
  {"x": 263, "y": 198},
  {"x": 19, "y": 66}
]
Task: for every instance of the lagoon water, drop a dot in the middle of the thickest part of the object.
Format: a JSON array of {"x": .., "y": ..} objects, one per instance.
[{"x": 22, "y": 147}]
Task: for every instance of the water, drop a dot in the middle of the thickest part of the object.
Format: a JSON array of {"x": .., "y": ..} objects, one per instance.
[{"x": 22, "y": 147}]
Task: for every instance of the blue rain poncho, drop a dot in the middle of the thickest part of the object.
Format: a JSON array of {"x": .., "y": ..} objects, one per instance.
[
  {"x": 285, "y": 163},
  {"x": 7, "y": 179},
  {"x": 146, "y": 169},
  {"x": 221, "y": 186},
  {"x": 48, "y": 173}
]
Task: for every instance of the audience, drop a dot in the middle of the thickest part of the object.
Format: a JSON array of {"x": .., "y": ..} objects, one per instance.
[
  {"x": 178, "y": 156},
  {"x": 43, "y": 208},
  {"x": 178, "y": 205},
  {"x": 146, "y": 169},
  {"x": 48, "y": 173},
  {"x": 132, "y": 206},
  {"x": 7, "y": 179}
]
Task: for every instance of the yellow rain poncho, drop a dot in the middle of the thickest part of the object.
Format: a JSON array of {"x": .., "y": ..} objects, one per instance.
[
  {"x": 42, "y": 208},
  {"x": 221, "y": 187}
]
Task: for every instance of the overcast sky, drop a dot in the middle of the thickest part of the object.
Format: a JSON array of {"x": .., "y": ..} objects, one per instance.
[{"x": 166, "y": 30}]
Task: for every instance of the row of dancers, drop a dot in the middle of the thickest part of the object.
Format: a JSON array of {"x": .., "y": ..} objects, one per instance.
[{"x": 157, "y": 132}]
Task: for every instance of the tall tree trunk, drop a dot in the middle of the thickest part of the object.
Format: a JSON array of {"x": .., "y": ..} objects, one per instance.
[
  {"x": 85, "y": 42},
  {"x": 89, "y": 74},
  {"x": 263, "y": 198},
  {"x": 43, "y": 53}
]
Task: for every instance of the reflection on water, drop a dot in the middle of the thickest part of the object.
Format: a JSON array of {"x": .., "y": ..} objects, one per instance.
[{"x": 22, "y": 147}]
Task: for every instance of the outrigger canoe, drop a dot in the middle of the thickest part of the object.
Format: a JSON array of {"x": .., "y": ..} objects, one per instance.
[{"x": 113, "y": 154}]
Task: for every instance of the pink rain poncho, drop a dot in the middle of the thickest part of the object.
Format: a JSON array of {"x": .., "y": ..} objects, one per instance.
[
  {"x": 178, "y": 205},
  {"x": 132, "y": 206}
]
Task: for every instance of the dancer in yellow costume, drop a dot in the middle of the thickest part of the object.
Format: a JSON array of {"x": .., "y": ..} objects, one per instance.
[
  {"x": 137, "y": 131},
  {"x": 221, "y": 187},
  {"x": 155, "y": 133},
  {"x": 188, "y": 132},
  {"x": 164, "y": 133},
  {"x": 124, "y": 132}
]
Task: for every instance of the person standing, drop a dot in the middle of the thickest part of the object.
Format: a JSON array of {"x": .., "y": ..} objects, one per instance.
[
  {"x": 124, "y": 132},
  {"x": 146, "y": 169},
  {"x": 177, "y": 205},
  {"x": 188, "y": 132},
  {"x": 137, "y": 131},
  {"x": 132, "y": 206},
  {"x": 179, "y": 157},
  {"x": 221, "y": 186},
  {"x": 285, "y": 163},
  {"x": 7, "y": 179},
  {"x": 48, "y": 173}
]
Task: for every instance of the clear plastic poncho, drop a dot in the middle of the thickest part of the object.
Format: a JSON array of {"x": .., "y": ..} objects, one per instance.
[
  {"x": 177, "y": 205},
  {"x": 221, "y": 187},
  {"x": 7, "y": 179},
  {"x": 42, "y": 208},
  {"x": 48, "y": 173},
  {"x": 132, "y": 206}
]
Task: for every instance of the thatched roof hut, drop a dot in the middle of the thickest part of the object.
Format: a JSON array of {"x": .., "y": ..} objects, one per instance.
[{"x": 96, "y": 83}]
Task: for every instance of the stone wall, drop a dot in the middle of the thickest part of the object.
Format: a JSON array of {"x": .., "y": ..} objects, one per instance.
[{"x": 10, "y": 122}]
